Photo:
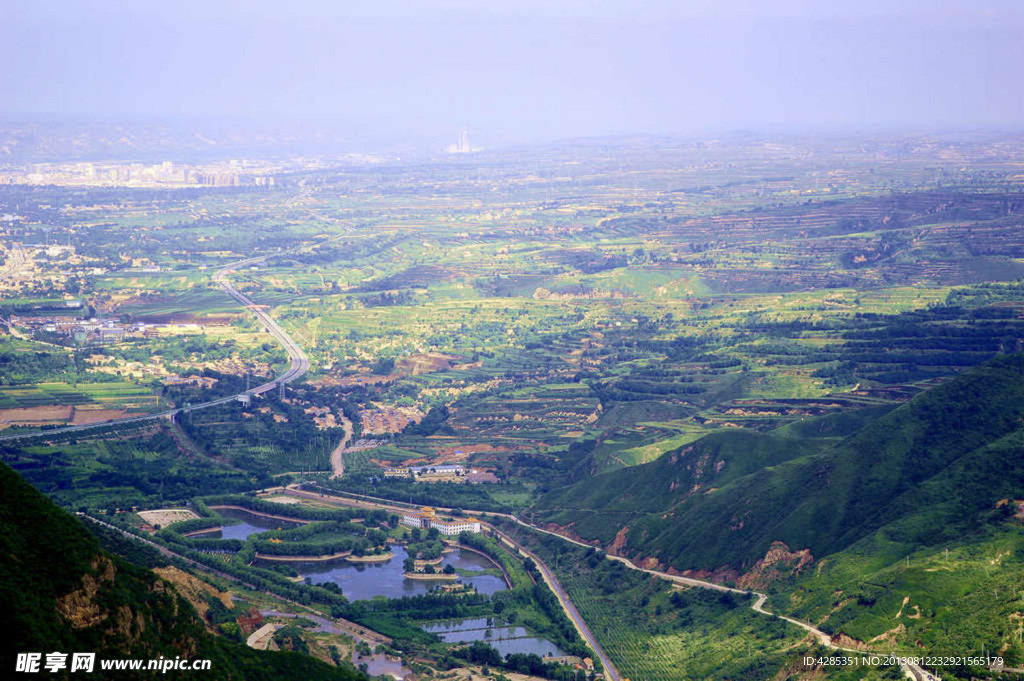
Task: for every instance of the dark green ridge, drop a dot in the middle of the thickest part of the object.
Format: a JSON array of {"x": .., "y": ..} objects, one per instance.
[
  {"x": 928, "y": 468},
  {"x": 122, "y": 610}
]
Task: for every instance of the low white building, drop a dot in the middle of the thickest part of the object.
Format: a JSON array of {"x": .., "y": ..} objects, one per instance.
[
  {"x": 457, "y": 526},
  {"x": 427, "y": 518}
]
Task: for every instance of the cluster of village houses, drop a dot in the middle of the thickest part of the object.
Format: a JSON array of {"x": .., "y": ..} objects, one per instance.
[{"x": 86, "y": 331}]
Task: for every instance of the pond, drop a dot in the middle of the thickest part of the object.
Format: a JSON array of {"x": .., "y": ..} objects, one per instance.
[
  {"x": 363, "y": 581},
  {"x": 376, "y": 665},
  {"x": 243, "y": 525},
  {"x": 380, "y": 665},
  {"x": 503, "y": 638}
]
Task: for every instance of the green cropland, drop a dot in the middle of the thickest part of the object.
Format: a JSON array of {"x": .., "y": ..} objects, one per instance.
[{"x": 791, "y": 367}]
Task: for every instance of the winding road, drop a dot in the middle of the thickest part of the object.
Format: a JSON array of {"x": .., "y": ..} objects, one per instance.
[
  {"x": 611, "y": 672},
  {"x": 354, "y": 629},
  {"x": 298, "y": 363},
  {"x": 912, "y": 670}
]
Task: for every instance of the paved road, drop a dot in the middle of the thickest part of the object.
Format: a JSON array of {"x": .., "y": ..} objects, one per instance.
[
  {"x": 353, "y": 628},
  {"x": 298, "y": 363},
  {"x": 611, "y": 672},
  {"x": 914, "y": 671},
  {"x": 164, "y": 551},
  {"x": 12, "y": 329}
]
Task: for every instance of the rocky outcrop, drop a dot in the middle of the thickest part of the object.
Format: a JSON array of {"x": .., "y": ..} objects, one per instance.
[
  {"x": 81, "y": 607},
  {"x": 194, "y": 590},
  {"x": 844, "y": 641},
  {"x": 778, "y": 562},
  {"x": 126, "y": 625},
  {"x": 615, "y": 548}
]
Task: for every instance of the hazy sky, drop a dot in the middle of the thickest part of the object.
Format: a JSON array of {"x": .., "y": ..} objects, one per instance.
[{"x": 528, "y": 69}]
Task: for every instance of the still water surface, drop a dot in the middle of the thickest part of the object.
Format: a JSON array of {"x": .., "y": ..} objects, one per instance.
[
  {"x": 376, "y": 665},
  {"x": 505, "y": 639},
  {"x": 244, "y": 525},
  {"x": 362, "y": 581}
]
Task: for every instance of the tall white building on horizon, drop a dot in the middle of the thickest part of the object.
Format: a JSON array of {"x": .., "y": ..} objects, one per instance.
[{"x": 462, "y": 146}]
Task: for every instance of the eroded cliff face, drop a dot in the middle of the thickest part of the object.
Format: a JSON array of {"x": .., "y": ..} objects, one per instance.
[
  {"x": 60, "y": 591},
  {"x": 619, "y": 543},
  {"x": 194, "y": 590},
  {"x": 777, "y": 563},
  {"x": 126, "y": 626},
  {"x": 81, "y": 607}
]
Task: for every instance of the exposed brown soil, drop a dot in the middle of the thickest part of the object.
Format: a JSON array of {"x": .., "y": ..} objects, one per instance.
[
  {"x": 778, "y": 562},
  {"x": 33, "y": 416},
  {"x": 389, "y": 419},
  {"x": 193, "y": 589},
  {"x": 85, "y": 416},
  {"x": 619, "y": 542},
  {"x": 425, "y": 363}
]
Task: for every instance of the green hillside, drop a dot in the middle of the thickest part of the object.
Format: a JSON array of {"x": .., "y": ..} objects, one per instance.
[
  {"x": 927, "y": 471},
  {"x": 60, "y": 592}
]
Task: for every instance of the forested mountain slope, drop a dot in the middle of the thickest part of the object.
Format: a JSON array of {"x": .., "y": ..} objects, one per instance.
[
  {"x": 59, "y": 591},
  {"x": 927, "y": 470}
]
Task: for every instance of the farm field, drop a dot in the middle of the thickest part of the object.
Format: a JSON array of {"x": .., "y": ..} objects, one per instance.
[
  {"x": 63, "y": 404},
  {"x": 680, "y": 352}
]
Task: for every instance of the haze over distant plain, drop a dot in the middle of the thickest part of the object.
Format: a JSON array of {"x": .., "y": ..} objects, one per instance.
[{"x": 525, "y": 70}]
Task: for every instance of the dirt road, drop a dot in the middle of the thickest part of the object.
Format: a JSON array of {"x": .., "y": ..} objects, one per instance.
[{"x": 337, "y": 456}]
